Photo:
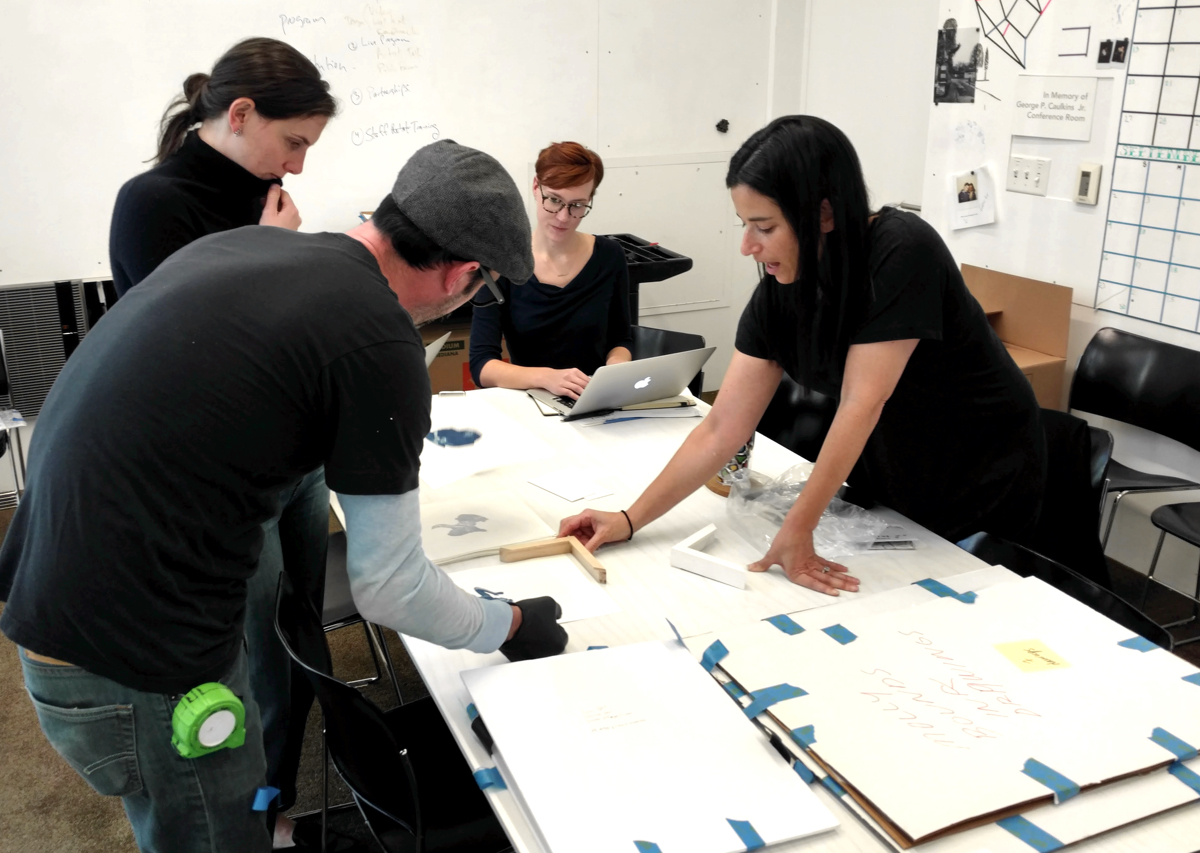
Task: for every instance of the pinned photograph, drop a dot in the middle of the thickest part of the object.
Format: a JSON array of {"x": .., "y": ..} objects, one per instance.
[
  {"x": 959, "y": 56},
  {"x": 1119, "y": 49},
  {"x": 967, "y": 192},
  {"x": 973, "y": 198}
]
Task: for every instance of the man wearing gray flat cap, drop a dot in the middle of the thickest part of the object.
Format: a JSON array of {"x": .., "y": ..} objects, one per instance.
[{"x": 257, "y": 354}]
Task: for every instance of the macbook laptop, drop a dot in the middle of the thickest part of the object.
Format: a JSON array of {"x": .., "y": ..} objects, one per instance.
[{"x": 617, "y": 385}]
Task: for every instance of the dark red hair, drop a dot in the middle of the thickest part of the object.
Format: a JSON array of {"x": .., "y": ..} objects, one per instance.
[{"x": 568, "y": 164}]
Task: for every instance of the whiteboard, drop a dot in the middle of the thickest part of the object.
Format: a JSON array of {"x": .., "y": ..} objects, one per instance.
[{"x": 88, "y": 81}]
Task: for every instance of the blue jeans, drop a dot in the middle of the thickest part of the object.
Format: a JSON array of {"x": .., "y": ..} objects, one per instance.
[
  {"x": 119, "y": 740},
  {"x": 296, "y": 540}
]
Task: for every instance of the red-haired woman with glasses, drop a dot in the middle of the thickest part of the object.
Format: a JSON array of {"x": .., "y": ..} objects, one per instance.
[{"x": 572, "y": 316}]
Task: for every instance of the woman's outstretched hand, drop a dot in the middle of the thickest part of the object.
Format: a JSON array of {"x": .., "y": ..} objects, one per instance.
[
  {"x": 593, "y": 528},
  {"x": 794, "y": 552}
]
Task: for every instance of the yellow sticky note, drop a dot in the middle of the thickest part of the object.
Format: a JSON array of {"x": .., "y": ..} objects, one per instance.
[{"x": 1032, "y": 656}]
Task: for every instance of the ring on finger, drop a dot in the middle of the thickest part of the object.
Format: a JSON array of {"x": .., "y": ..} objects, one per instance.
[{"x": 825, "y": 569}]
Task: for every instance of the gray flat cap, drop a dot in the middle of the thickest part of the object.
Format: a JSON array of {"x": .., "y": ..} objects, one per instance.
[{"x": 466, "y": 202}]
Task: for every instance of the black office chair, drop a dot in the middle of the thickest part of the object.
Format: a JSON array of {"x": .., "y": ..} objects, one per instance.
[
  {"x": 649, "y": 342},
  {"x": 996, "y": 551},
  {"x": 1182, "y": 521},
  {"x": 1146, "y": 383},
  {"x": 411, "y": 784},
  {"x": 798, "y": 419},
  {"x": 1068, "y": 530}
]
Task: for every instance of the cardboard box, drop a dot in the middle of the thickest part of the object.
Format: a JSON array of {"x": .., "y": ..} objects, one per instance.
[
  {"x": 1032, "y": 318},
  {"x": 451, "y": 370}
]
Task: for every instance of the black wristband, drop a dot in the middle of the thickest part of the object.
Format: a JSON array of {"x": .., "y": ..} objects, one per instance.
[{"x": 630, "y": 523}]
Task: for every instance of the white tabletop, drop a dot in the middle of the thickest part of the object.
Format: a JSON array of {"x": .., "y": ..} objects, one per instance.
[{"x": 625, "y": 457}]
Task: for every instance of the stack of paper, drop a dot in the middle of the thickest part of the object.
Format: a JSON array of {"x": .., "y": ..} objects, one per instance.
[
  {"x": 467, "y": 436},
  {"x": 636, "y": 748},
  {"x": 475, "y": 525},
  {"x": 1013, "y": 706}
]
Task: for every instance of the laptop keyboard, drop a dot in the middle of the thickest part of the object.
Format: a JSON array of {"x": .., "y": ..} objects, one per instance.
[{"x": 566, "y": 401}]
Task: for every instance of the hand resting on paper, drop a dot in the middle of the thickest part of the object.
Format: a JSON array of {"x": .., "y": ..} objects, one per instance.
[
  {"x": 794, "y": 552},
  {"x": 535, "y": 633},
  {"x": 593, "y": 528}
]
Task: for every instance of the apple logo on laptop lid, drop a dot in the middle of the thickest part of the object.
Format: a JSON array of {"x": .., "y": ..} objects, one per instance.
[{"x": 642, "y": 383}]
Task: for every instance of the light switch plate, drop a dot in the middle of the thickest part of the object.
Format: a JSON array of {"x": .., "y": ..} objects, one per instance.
[{"x": 1028, "y": 175}]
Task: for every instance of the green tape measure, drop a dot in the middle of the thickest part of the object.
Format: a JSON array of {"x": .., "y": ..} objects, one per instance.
[{"x": 208, "y": 718}]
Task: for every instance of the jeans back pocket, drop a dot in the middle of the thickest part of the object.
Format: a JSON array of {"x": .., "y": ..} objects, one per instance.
[{"x": 99, "y": 743}]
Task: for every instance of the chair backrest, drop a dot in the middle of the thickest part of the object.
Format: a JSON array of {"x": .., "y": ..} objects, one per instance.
[
  {"x": 361, "y": 743},
  {"x": 1016, "y": 558},
  {"x": 798, "y": 418},
  {"x": 1140, "y": 381},
  {"x": 649, "y": 342},
  {"x": 1102, "y": 450}
]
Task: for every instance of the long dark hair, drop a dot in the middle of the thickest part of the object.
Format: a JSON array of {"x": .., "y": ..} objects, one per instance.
[
  {"x": 797, "y": 162},
  {"x": 280, "y": 80}
]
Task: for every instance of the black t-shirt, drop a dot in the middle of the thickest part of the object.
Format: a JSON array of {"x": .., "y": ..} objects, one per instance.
[
  {"x": 575, "y": 325},
  {"x": 959, "y": 445},
  {"x": 251, "y": 357},
  {"x": 194, "y": 192}
]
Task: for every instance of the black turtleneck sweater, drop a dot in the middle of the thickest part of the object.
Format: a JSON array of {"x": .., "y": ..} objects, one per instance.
[{"x": 194, "y": 192}]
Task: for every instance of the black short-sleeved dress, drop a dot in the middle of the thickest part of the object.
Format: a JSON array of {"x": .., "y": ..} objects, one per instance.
[
  {"x": 575, "y": 325},
  {"x": 959, "y": 446}
]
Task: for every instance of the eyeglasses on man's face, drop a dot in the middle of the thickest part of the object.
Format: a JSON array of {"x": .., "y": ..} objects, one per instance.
[
  {"x": 553, "y": 204},
  {"x": 489, "y": 294}
]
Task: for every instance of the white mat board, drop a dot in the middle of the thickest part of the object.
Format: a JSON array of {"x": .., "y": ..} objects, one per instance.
[
  {"x": 477, "y": 524},
  {"x": 502, "y": 441}
]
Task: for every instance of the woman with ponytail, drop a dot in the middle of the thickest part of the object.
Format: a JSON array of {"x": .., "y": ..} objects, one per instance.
[
  {"x": 934, "y": 418},
  {"x": 259, "y": 111}
]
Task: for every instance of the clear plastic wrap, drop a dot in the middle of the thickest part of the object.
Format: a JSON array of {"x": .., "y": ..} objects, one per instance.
[{"x": 757, "y": 510}]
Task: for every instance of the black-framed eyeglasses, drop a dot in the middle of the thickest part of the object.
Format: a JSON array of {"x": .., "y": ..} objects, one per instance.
[
  {"x": 553, "y": 204},
  {"x": 489, "y": 294}
]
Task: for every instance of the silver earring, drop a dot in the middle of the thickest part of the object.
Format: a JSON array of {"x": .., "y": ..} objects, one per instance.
[{"x": 237, "y": 132}]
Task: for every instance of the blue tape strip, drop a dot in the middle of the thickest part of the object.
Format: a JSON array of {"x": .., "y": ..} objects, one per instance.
[
  {"x": 678, "y": 636},
  {"x": 1186, "y": 775},
  {"x": 646, "y": 847},
  {"x": 1193, "y": 679},
  {"x": 489, "y": 777},
  {"x": 803, "y": 772},
  {"x": 1181, "y": 749},
  {"x": 745, "y": 831},
  {"x": 263, "y": 798},
  {"x": 942, "y": 591},
  {"x": 786, "y": 624},
  {"x": 472, "y": 712},
  {"x": 805, "y": 736},
  {"x": 713, "y": 655},
  {"x": 593, "y": 648},
  {"x": 1062, "y": 787},
  {"x": 763, "y": 699},
  {"x": 841, "y": 633},
  {"x": 1138, "y": 644},
  {"x": 1034, "y": 836},
  {"x": 832, "y": 784},
  {"x": 734, "y": 690}
]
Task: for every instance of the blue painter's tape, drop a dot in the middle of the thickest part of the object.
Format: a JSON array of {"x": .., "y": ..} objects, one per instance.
[
  {"x": 745, "y": 831},
  {"x": 786, "y": 624},
  {"x": 1193, "y": 679},
  {"x": 1138, "y": 644},
  {"x": 734, "y": 690},
  {"x": 1034, "y": 836},
  {"x": 646, "y": 847},
  {"x": 803, "y": 772},
  {"x": 942, "y": 591},
  {"x": 763, "y": 699},
  {"x": 1186, "y": 775},
  {"x": 713, "y": 655},
  {"x": 593, "y": 648},
  {"x": 1062, "y": 787},
  {"x": 832, "y": 784},
  {"x": 263, "y": 798},
  {"x": 678, "y": 636},
  {"x": 841, "y": 633},
  {"x": 472, "y": 712},
  {"x": 489, "y": 777},
  {"x": 1181, "y": 749},
  {"x": 805, "y": 736}
]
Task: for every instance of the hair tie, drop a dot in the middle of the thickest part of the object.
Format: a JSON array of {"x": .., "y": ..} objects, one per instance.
[{"x": 630, "y": 523}]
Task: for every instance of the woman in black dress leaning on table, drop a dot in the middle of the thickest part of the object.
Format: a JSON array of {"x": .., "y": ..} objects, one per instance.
[
  {"x": 934, "y": 418},
  {"x": 259, "y": 111},
  {"x": 572, "y": 316}
]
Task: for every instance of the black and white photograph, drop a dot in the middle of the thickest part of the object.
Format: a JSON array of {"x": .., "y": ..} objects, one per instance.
[{"x": 959, "y": 54}]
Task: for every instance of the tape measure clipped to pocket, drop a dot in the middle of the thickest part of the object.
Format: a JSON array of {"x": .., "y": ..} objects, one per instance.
[{"x": 208, "y": 718}]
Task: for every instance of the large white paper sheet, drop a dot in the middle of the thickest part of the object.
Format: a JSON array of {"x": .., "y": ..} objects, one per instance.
[
  {"x": 931, "y": 714},
  {"x": 559, "y": 576},
  {"x": 638, "y": 743},
  {"x": 456, "y": 420},
  {"x": 477, "y": 524}
]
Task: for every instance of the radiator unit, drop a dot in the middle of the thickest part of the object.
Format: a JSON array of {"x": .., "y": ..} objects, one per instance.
[{"x": 42, "y": 325}]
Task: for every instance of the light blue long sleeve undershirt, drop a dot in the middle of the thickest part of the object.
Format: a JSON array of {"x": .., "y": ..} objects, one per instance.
[{"x": 394, "y": 584}]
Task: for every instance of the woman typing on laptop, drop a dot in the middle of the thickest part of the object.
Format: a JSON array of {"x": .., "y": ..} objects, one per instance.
[{"x": 572, "y": 316}]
